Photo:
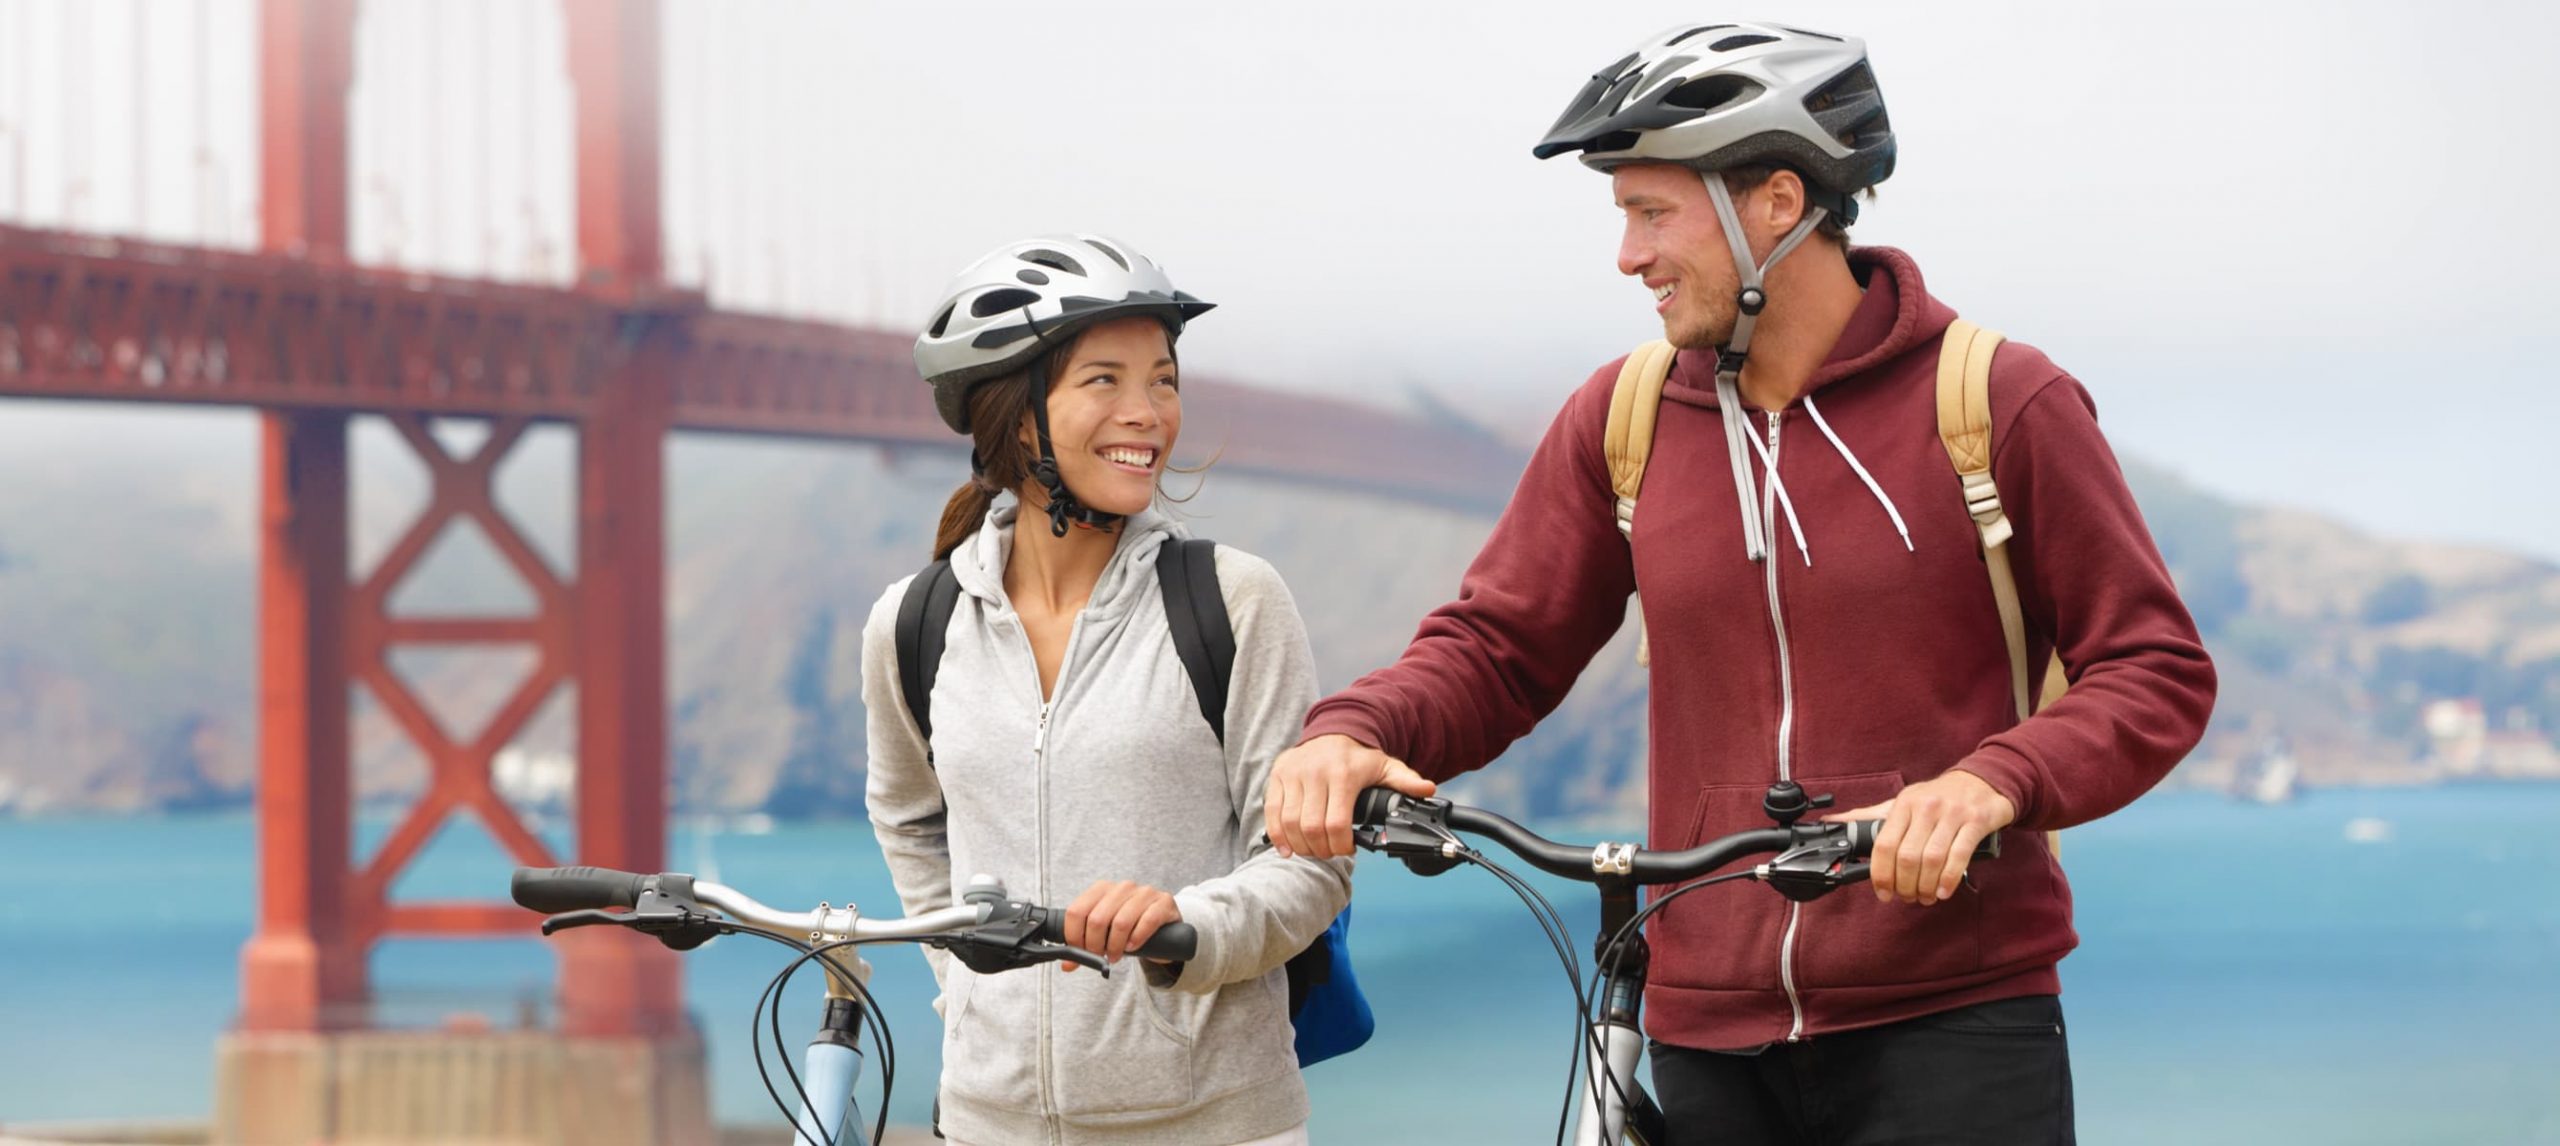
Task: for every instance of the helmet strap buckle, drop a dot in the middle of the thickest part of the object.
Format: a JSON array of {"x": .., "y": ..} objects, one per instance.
[{"x": 1063, "y": 508}]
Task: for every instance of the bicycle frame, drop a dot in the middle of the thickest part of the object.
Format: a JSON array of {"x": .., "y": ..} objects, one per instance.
[
  {"x": 1615, "y": 1105},
  {"x": 1807, "y": 861},
  {"x": 828, "y": 1072}
]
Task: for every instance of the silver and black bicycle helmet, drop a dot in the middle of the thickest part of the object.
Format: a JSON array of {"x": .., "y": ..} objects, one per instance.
[
  {"x": 1026, "y": 298},
  {"x": 1714, "y": 96}
]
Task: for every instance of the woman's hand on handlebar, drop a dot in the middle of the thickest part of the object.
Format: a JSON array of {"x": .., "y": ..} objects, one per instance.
[
  {"x": 1307, "y": 804},
  {"x": 1929, "y": 833},
  {"x": 1114, "y": 917}
]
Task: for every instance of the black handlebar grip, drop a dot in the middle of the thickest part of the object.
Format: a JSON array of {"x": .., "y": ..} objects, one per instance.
[
  {"x": 1374, "y": 806},
  {"x": 1862, "y": 840},
  {"x": 1176, "y": 942},
  {"x": 552, "y": 890}
]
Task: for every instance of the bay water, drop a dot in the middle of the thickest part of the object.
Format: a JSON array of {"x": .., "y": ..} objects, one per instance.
[{"x": 2357, "y": 966}]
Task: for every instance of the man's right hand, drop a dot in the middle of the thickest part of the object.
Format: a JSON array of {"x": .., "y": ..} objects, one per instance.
[{"x": 1307, "y": 804}]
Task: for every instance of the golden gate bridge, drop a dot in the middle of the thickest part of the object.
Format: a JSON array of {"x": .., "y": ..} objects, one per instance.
[{"x": 113, "y": 302}]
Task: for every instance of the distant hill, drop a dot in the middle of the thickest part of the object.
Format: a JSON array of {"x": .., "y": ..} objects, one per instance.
[{"x": 127, "y": 640}]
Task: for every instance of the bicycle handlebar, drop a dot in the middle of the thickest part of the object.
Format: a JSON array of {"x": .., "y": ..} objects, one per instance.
[
  {"x": 683, "y": 912},
  {"x": 1810, "y": 858}
]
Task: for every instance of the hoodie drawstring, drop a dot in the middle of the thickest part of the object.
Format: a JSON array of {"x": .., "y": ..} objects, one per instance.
[
  {"x": 1863, "y": 475},
  {"x": 1729, "y": 398},
  {"x": 1778, "y": 485},
  {"x": 1737, "y": 432}
]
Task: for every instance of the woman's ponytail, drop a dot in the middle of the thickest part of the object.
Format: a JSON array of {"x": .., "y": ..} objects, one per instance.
[
  {"x": 961, "y": 515},
  {"x": 999, "y": 463}
]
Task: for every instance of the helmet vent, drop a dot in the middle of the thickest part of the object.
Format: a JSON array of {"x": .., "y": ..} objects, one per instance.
[
  {"x": 1857, "y": 80},
  {"x": 997, "y": 302},
  {"x": 941, "y": 321},
  {"x": 1615, "y": 141},
  {"x": 1711, "y": 92},
  {"x": 1116, "y": 256},
  {"x": 1815, "y": 35},
  {"x": 1692, "y": 32},
  {"x": 1033, "y": 277},
  {"x": 1054, "y": 261},
  {"x": 1729, "y": 43}
]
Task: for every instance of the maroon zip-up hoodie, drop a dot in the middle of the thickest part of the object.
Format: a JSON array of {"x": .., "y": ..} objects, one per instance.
[{"x": 1849, "y": 660}]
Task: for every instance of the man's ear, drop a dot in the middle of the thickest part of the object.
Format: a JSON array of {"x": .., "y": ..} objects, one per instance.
[{"x": 1786, "y": 201}]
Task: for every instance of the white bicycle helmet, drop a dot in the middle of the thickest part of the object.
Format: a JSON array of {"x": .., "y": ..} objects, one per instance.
[
  {"x": 1713, "y": 96},
  {"x": 1027, "y": 297}
]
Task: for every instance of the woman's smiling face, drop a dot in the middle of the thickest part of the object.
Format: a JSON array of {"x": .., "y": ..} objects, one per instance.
[{"x": 1114, "y": 413}]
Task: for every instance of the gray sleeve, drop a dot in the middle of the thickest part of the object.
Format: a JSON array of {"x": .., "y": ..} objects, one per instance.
[
  {"x": 905, "y": 797},
  {"x": 1253, "y": 919}
]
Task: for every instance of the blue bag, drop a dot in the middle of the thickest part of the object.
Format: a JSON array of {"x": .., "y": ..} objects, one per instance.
[{"x": 1325, "y": 1004}]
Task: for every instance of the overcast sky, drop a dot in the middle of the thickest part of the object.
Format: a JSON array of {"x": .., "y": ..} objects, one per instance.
[{"x": 2295, "y": 249}]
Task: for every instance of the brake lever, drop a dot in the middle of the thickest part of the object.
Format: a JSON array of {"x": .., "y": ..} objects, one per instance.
[
  {"x": 1061, "y": 952},
  {"x": 1813, "y": 869},
  {"x": 992, "y": 954},
  {"x": 590, "y": 918},
  {"x": 1415, "y": 830},
  {"x": 679, "y": 929}
]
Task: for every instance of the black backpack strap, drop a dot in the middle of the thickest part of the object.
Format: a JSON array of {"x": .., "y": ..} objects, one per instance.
[
  {"x": 1196, "y": 609},
  {"x": 1308, "y": 970},
  {"x": 924, "y": 620}
]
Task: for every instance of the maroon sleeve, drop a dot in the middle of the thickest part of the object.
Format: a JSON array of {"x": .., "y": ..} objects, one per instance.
[
  {"x": 1546, "y": 592},
  {"x": 2091, "y": 579}
]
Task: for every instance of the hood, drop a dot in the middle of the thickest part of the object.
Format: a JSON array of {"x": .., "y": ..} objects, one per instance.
[
  {"x": 978, "y": 564},
  {"x": 1896, "y": 316}
]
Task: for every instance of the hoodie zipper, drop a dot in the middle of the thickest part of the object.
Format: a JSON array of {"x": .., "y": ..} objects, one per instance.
[
  {"x": 1040, "y": 830},
  {"x": 1786, "y": 714},
  {"x": 1040, "y": 800}
]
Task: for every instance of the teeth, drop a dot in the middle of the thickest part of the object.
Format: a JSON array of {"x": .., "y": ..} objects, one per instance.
[
  {"x": 1662, "y": 292},
  {"x": 1130, "y": 457}
]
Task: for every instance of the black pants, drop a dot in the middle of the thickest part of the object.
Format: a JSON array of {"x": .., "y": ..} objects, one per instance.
[{"x": 1996, "y": 1073}]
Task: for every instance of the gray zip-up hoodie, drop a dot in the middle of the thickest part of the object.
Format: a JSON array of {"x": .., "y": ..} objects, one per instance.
[{"x": 1116, "y": 777}]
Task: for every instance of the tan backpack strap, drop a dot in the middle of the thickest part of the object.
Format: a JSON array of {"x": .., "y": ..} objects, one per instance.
[
  {"x": 1964, "y": 427},
  {"x": 1632, "y": 406},
  {"x": 1628, "y": 443}
]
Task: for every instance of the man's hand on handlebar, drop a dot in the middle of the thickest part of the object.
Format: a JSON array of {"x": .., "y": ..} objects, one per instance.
[
  {"x": 1307, "y": 805},
  {"x": 1929, "y": 833},
  {"x": 1115, "y": 917}
]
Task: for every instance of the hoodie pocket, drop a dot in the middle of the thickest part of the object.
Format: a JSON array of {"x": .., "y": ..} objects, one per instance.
[
  {"x": 1719, "y": 938},
  {"x": 1125, "y": 1047},
  {"x": 991, "y": 1038},
  {"x": 1850, "y": 940}
]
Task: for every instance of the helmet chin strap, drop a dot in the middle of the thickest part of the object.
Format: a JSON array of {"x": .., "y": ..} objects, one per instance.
[
  {"x": 1064, "y": 509},
  {"x": 1730, "y": 357}
]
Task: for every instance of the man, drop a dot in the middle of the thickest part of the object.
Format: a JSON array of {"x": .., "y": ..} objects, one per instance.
[{"x": 1818, "y": 610}]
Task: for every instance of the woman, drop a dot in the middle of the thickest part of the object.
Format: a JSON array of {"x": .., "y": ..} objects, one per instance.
[{"x": 1068, "y": 756}]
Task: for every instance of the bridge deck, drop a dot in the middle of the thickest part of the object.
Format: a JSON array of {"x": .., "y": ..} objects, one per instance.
[{"x": 97, "y": 319}]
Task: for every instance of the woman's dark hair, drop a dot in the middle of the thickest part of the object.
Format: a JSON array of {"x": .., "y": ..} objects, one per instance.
[{"x": 1000, "y": 462}]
